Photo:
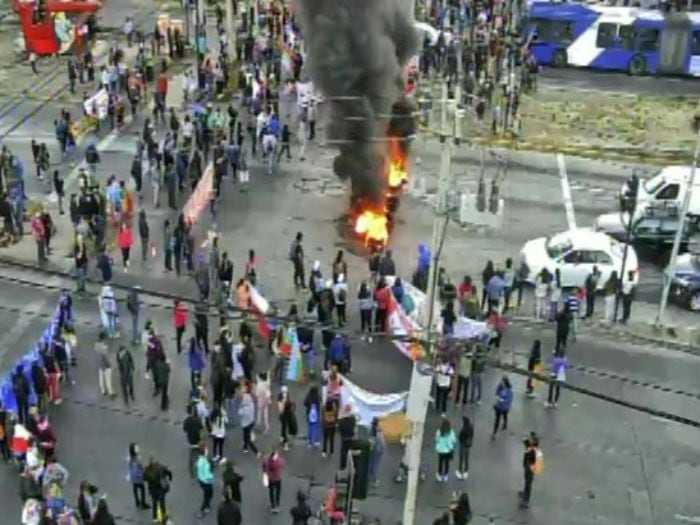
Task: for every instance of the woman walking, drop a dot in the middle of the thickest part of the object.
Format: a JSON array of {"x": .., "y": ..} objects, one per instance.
[
  {"x": 272, "y": 476},
  {"x": 533, "y": 362},
  {"x": 205, "y": 477},
  {"x": 445, "y": 442},
  {"x": 135, "y": 474},
  {"x": 504, "y": 400},
  {"x": 196, "y": 363},
  {"x": 125, "y": 238},
  {"x": 263, "y": 399},
  {"x": 218, "y": 422},
  {"x": 377, "y": 447},
  {"x": 285, "y": 408},
  {"x": 313, "y": 416}
]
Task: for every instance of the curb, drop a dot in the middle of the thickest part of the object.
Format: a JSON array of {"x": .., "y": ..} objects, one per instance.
[{"x": 602, "y": 328}]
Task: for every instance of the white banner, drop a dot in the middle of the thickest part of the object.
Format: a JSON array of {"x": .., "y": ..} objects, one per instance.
[
  {"x": 369, "y": 405},
  {"x": 98, "y": 101}
]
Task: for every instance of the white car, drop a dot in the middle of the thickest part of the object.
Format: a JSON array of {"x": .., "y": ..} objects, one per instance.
[{"x": 575, "y": 253}]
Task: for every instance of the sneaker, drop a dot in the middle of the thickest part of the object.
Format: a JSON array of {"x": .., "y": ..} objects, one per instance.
[
  {"x": 446, "y": 478},
  {"x": 531, "y": 395},
  {"x": 323, "y": 454},
  {"x": 465, "y": 475},
  {"x": 458, "y": 474},
  {"x": 369, "y": 339},
  {"x": 438, "y": 477},
  {"x": 547, "y": 404},
  {"x": 556, "y": 405}
]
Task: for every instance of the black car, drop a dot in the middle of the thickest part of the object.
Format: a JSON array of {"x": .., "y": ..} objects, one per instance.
[{"x": 685, "y": 284}]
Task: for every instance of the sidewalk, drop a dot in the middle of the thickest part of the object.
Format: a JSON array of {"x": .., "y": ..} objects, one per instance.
[{"x": 679, "y": 333}]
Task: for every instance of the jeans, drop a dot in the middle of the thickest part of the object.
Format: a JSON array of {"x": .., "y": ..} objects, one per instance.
[
  {"x": 314, "y": 432},
  {"x": 158, "y": 502},
  {"x": 374, "y": 460},
  {"x": 80, "y": 278},
  {"x": 590, "y": 304},
  {"x": 444, "y": 463},
  {"x": 442, "y": 392},
  {"x": 365, "y": 321},
  {"x": 527, "y": 489},
  {"x": 135, "y": 329},
  {"x": 328, "y": 440},
  {"x": 207, "y": 493},
  {"x": 554, "y": 391},
  {"x": 217, "y": 446},
  {"x": 274, "y": 490},
  {"x": 105, "y": 381},
  {"x": 499, "y": 415},
  {"x": 462, "y": 390},
  {"x": 139, "y": 490},
  {"x": 463, "y": 465},
  {"x": 179, "y": 332},
  {"x": 247, "y": 439},
  {"x": 475, "y": 393}
]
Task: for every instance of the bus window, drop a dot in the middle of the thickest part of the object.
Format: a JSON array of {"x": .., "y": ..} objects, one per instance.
[
  {"x": 628, "y": 37},
  {"x": 607, "y": 34},
  {"x": 648, "y": 40},
  {"x": 670, "y": 192},
  {"x": 695, "y": 45}
]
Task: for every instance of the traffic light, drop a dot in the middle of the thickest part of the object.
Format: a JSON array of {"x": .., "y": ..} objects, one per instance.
[
  {"x": 360, "y": 449},
  {"x": 628, "y": 197}
]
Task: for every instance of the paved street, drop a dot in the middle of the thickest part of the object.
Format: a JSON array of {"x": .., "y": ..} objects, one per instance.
[{"x": 604, "y": 463}]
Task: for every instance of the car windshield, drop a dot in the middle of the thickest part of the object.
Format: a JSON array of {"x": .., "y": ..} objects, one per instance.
[
  {"x": 558, "y": 245},
  {"x": 652, "y": 185}
]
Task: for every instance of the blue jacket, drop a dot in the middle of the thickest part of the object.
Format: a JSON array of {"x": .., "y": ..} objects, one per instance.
[
  {"x": 135, "y": 471},
  {"x": 505, "y": 398},
  {"x": 204, "y": 473},
  {"x": 559, "y": 363},
  {"x": 338, "y": 350},
  {"x": 424, "y": 257},
  {"x": 195, "y": 360},
  {"x": 495, "y": 287}
]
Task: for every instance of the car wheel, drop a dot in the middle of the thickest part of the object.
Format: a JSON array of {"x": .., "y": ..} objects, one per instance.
[
  {"x": 694, "y": 301},
  {"x": 559, "y": 59}
]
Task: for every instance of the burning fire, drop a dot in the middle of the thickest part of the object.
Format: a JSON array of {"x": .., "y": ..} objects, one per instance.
[
  {"x": 398, "y": 173},
  {"x": 373, "y": 226}
]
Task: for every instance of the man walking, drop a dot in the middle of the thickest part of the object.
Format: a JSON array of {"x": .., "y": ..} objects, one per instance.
[
  {"x": 296, "y": 255},
  {"x": 591, "y": 285},
  {"x": 125, "y": 365},
  {"x": 144, "y": 234},
  {"x": 162, "y": 378},
  {"x": 532, "y": 464},
  {"x": 105, "y": 366}
]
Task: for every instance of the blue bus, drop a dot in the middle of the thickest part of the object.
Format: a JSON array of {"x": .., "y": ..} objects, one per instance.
[{"x": 638, "y": 41}]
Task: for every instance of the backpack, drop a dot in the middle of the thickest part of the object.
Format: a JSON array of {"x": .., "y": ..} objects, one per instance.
[
  {"x": 292, "y": 251},
  {"x": 538, "y": 466},
  {"x": 313, "y": 414}
]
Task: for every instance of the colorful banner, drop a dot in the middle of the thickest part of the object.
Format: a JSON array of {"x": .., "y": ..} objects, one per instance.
[
  {"x": 369, "y": 405},
  {"x": 201, "y": 196},
  {"x": 296, "y": 366}
]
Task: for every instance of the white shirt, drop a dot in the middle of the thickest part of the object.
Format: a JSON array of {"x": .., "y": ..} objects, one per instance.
[
  {"x": 187, "y": 129},
  {"x": 444, "y": 375},
  {"x": 218, "y": 425}
]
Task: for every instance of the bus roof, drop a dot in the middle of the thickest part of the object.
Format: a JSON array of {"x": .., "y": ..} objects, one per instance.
[{"x": 622, "y": 15}]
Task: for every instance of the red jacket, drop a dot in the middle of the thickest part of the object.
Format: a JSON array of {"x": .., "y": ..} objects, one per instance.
[
  {"x": 162, "y": 85},
  {"x": 382, "y": 296},
  {"x": 125, "y": 238},
  {"x": 273, "y": 466},
  {"x": 38, "y": 229},
  {"x": 180, "y": 315}
]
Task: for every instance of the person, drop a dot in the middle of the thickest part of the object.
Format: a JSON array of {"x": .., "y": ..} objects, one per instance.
[
  {"x": 232, "y": 481},
  {"x": 504, "y": 400},
  {"x": 461, "y": 510},
  {"x": 296, "y": 255},
  {"x": 312, "y": 403},
  {"x": 464, "y": 368},
  {"x": 486, "y": 275},
  {"x": 386, "y": 265},
  {"x": 285, "y": 408},
  {"x": 563, "y": 321},
  {"x": 532, "y": 464},
  {"x": 158, "y": 479},
  {"x": 126, "y": 368},
  {"x": 246, "y": 416},
  {"x": 347, "y": 427},
  {"x": 329, "y": 423},
  {"x": 205, "y": 478},
  {"x": 105, "y": 366},
  {"x": 229, "y": 511},
  {"x": 377, "y": 448},
  {"x": 533, "y": 361},
  {"x": 591, "y": 286},
  {"x": 102, "y": 514},
  {"x": 135, "y": 472},
  {"x": 572, "y": 301},
  {"x": 340, "y": 296},
  {"x": 627, "y": 293},
  {"x": 144, "y": 234},
  {"x": 39, "y": 233},
  {"x": 555, "y": 293},
  {"x": 180, "y": 322},
  {"x": 161, "y": 375},
  {"x": 466, "y": 437},
  {"x": 301, "y": 512},
  {"x": 610, "y": 291},
  {"x": 542, "y": 282},
  {"x": 218, "y": 420},
  {"x": 133, "y": 306},
  {"x": 87, "y": 502},
  {"x": 557, "y": 375},
  {"x": 193, "y": 429},
  {"x": 108, "y": 311},
  {"x": 263, "y": 399},
  {"x": 443, "y": 383},
  {"x": 58, "y": 187},
  {"x": 339, "y": 354},
  {"x": 272, "y": 470},
  {"x": 477, "y": 375},
  {"x": 366, "y": 304},
  {"x": 125, "y": 239},
  {"x": 382, "y": 299},
  {"x": 445, "y": 442}
]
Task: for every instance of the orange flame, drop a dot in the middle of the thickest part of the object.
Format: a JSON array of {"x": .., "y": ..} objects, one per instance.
[
  {"x": 373, "y": 226},
  {"x": 398, "y": 173}
]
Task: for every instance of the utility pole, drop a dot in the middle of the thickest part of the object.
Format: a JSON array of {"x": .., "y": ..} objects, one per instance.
[
  {"x": 671, "y": 269},
  {"x": 421, "y": 370},
  {"x": 231, "y": 28}
]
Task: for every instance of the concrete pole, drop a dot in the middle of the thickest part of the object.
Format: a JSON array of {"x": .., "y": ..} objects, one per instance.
[
  {"x": 231, "y": 28},
  {"x": 671, "y": 270},
  {"x": 418, "y": 423}
]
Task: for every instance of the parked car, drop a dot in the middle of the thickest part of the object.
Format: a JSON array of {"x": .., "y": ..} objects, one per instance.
[
  {"x": 685, "y": 283},
  {"x": 575, "y": 253}
]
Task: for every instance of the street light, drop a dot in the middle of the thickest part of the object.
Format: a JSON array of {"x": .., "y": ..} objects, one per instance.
[{"x": 671, "y": 269}]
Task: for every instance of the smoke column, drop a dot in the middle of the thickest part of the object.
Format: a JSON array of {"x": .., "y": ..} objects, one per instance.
[{"x": 356, "y": 53}]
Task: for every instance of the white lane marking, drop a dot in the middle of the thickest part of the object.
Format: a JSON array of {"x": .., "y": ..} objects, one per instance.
[{"x": 566, "y": 191}]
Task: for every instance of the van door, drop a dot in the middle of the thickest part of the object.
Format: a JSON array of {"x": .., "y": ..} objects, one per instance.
[{"x": 694, "y": 58}]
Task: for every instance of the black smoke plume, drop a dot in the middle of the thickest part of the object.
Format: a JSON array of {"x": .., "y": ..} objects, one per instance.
[{"x": 356, "y": 53}]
